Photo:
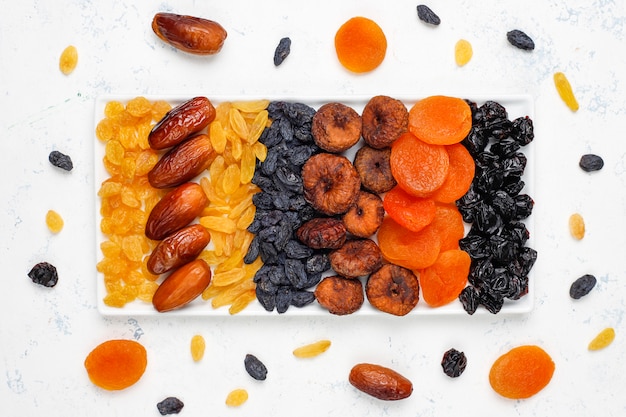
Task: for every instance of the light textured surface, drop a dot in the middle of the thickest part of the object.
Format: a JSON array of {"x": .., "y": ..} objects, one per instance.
[{"x": 45, "y": 334}]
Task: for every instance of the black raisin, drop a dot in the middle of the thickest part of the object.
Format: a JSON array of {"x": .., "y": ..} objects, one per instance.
[
  {"x": 469, "y": 299},
  {"x": 582, "y": 286},
  {"x": 453, "y": 363},
  {"x": 302, "y": 298},
  {"x": 426, "y": 15},
  {"x": 520, "y": 40},
  {"x": 282, "y": 51},
  {"x": 44, "y": 274},
  {"x": 170, "y": 405},
  {"x": 255, "y": 368},
  {"x": 591, "y": 162},
  {"x": 61, "y": 160},
  {"x": 283, "y": 299}
]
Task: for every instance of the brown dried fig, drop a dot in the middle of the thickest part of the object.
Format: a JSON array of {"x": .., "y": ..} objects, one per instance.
[
  {"x": 356, "y": 258},
  {"x": 336, "y": 127},
  {"x": 393, "y": 289},
  {"x": 374, "y": 169},
  {"x": 340, "y": 296},
  {"x": 365, "y": 216},
  {"x": 322, "y": 233},
  {"x": 384, "y": 120}
]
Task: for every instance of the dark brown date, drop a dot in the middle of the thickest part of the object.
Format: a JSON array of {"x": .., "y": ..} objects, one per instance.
[
  {"x": 322, "y": 233},
  {"x": 178, "y": 249},
  {"x": 380, "y": 382},
  {"x": 183, "y": 162},
  {"x": 180, "y": 122},
  {"x": 190, "y": 34}
]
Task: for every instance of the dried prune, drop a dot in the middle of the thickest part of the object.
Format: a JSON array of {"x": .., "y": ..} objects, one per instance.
[
  {"x": 426, "y": 15},
  {"x": 255, "y": 368},
  {"x": 453, "y": 363},
  {"x": 282, "y": 51},
  {"x": 170, "y": 405},
  {"x": 60, "y": 160},
  {"x": 582, "y": 286},
  {"x": 591, "y": 162},
  {"x": 520, "y": 40},
  {"x": 44, "y": 274}
]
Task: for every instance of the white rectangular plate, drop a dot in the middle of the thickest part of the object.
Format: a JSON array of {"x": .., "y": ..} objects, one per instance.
[{"x": 516, "y": 105}]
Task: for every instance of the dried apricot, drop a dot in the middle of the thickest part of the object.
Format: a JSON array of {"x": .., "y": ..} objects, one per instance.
[
  {"x": 360, "y": 44},
  {"x": 460, "y": 175},
  {"x": 440, "y": 120},
  {"x": 412, "y": 250},
  {"x": 521, "y": 372},
  {"x": 116, "y": 364},
  {"x": 443, "y": 281},
  {"x": 449, "y": 226},
  {"x": 411, "y": 212},
  {"x": 418, "y": 167}
]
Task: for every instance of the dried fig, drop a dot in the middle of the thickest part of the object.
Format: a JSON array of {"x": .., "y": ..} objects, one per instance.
[
  {"x": 356, "y": 258},
  {"x": 393, "y": 289},
  {"x": 384, "y": 120},
  {"x": 331, "y": 184},
  {"x": 365, "y": 216},
  {"x": 374, "y": 169},
  {"x": 336, "y": 127},
  {"x": 340, "y": 296},
  {"x": 322, "y": 233}
]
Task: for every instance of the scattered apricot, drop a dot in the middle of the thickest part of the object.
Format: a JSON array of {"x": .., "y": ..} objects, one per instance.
[
  {"x": 521, "y": 372},
  {"x": 360, "y": 44},
  {"x": 116, "y": 364}
]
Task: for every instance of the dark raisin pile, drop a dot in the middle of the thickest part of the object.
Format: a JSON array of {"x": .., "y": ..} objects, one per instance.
[
  {"x": 582, "y": 286},
  {"x": 60, "y": 160},
  {"x": 44, "y": 274},
  {"x": 495, "y": 208},
  {"x": 255, "y": 368},
  {"x": 170, "y": 405},
  {"x": 282, "y": 51},
  {"x": 453, "y": 363},
  {"x": 426, "y": 15},
  {"x": 289, "y": 267}
]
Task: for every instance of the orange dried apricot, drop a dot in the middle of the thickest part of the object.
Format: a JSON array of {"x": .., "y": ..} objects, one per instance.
[
  {"x": 116, "y": 364},
  {"x": 360, "y": 44},
  {"x": 521, "y": 372},
  {"x": 460, "y": 175},
  {"x": 449, "y": 226},
  {"x": 411, "y": 212},
  {"x": 440, "y": 120},
  {"x": 443, "y": 281},
  {"x": 419, "y": 167},
  {"x": 412, "y": 250}
]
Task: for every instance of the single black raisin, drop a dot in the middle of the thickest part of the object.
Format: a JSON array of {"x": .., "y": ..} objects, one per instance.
[
  {"x": 469, "y": 299},
  {"x": 60, "y": 160},
  {"x": 520, "y": 40},
  {"x": 44, "y": 274},
  {"x": 282, "y": 51},
  {"x": 255, "y": 368},
  {"x": 170, "y": 405},
  {"x": 426, "y": 15},
  {"x": 582, "y": 286},
  {"x": 453, "y": 363},
  {"x": 591, "y": 162}
]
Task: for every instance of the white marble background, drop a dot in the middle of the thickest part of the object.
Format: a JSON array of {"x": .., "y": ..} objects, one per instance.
[{"x": 45, "y": 334}]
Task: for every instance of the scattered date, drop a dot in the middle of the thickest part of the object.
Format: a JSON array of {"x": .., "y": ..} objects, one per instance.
[{"x": 44, "y": 274}]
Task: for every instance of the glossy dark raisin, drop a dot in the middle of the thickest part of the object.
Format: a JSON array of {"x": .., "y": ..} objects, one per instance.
[
  {"x": 61, "y": 160},
  {"x": 591, "y": 162},
  {"x": 520, "y": 40},
  {"x": 303, "y": 298},
  {"x": 282, "y": 51},
  {"x": 469, "y": 299},
  {"x": 582, "y": 286},
  {"x": 453, "y": 363},
  {"x": 255, "y": 368},
  {"x": 44, "y": 274},
  {"x": 426, "y": 15},
  {"x": 170, "y": 405}
]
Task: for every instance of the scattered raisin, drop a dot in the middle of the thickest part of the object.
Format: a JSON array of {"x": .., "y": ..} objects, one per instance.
[
  {"x": 44, "y": 274},
  {"x": 255, "y": 368},
  {"x": 426, "y": 15},
  {"x": 520, "y": 40},
  {"x": 61, "y": 160},
  {"x": 591, "y": 162},
  {"x": 582, "y": 286},
  {"x": 577, "y": 226},
  {"x": 170, "y": 405},
  {"x": 282, "y": 51},
  {"x": 453, "y": 363}
]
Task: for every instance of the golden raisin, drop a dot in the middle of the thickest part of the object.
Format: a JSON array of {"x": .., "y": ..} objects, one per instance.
[
  {"x": 603, "y": 339},
  {"x": 463, "y": 52},
  {"x": 197, "y": 347},
  {"x": 68, "y": 60},
  {"x": 54, "y": 221},
  {"x": 237, "y": 397},
  {"x": 577, "y": 226},
  {"x": 564, "y": 88},
  {"x": 311, "y": 350}
]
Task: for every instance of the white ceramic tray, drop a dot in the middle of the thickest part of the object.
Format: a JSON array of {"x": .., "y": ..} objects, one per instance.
[{"x": 516, "y": 105}]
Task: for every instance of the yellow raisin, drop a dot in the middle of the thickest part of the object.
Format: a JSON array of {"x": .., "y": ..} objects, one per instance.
[
  {"x": 603, "y": 339},
  {"x": 68, "y": 60},
  {"x": 197, "y": 347},
  {"x": 221, "y": 279},
  {"x": 257, "y": 127},
  {"x": 218, "y": 136},
  {"x": 260, "y": 151},
  {"x": 242, "y": 301},
  {"x": 218, "y": 224},
  {"x": 251, "y": 106},
  {"x": 231, "y": 179},
  {"x": 54, "y": 221},
  {"x": 248, "y": 162},
  {"x": 139, "y": 107},
  {"x": 577, "y": 226},
  {"x": 236, "y": 397},
  {"x": 238, "y": 123},
  {"x": 564, "y": 88},
  {"x": 463, "y": 52},
  {"x": 113, "y": 109},
  {"x": 313, "y": 349}
]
